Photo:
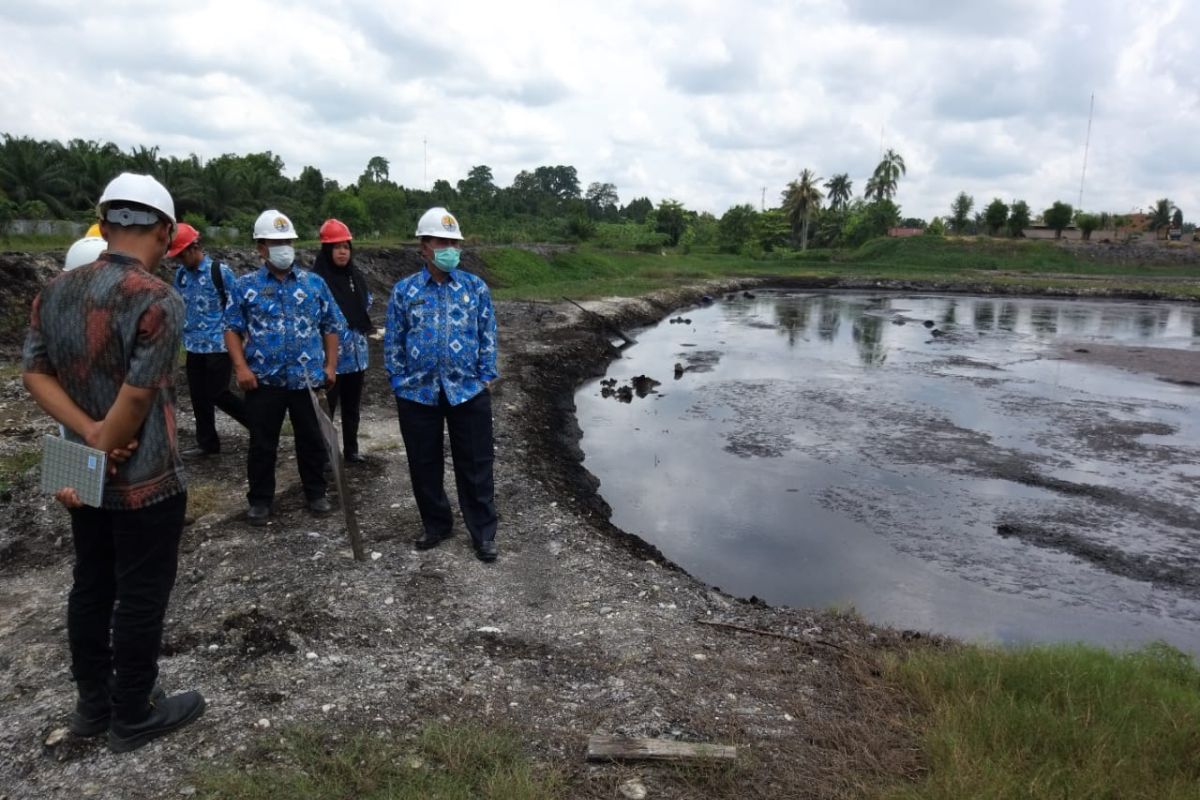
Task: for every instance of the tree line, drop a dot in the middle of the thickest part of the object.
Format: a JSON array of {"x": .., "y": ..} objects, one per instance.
[
  {"x": 51, "y": 180},
  {"x": 1000, "y": 218}
]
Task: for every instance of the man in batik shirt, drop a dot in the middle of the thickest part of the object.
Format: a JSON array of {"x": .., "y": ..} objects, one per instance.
[
  {"x": 282, "y": 334},
  {"x": 99, "y": 358},
  {"x": 440, "y": 355},
  {"x": 205, "y": 287}
]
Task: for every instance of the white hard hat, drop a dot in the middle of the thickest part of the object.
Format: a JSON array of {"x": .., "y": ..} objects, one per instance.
[
  {"x": 84, "y": 251},
  {"x": 439, "y": 222},
  {"x": 141, "y": 189},
  {"x": 273, "y": 224}
]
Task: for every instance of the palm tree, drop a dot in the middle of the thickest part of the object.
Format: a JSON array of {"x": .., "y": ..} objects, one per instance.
[
  {"x": 840, "y": 191},
  {"x": 222, "y": 189},
  {"x": 183, "y": 178},
  {"x": 91, "y": 165},
  {"x": 33, "y": 170},
  {"x": 800, "y": 199},
  {"x": 1160, "y": 217},
  {"x": 883, "y": 183},
  {"x": 144, "y": 160}
]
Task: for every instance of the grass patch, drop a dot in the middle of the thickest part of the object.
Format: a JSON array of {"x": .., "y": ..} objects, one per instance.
[
  {"x": 14, "y": 465},
  {"x": 1055, "y": 722},
  {"x": 982, "y": 264},
  {"x": 11, "y": 370},
  {"x": 444, "y": 763},
  {"x": 203, "y": 498}
]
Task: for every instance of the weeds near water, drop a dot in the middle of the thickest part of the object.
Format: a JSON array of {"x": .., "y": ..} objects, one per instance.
[
  {"x": 444, "y": 763},
  {"x": 14, "y": 465},
  {"x": 1054, "y": 722}
]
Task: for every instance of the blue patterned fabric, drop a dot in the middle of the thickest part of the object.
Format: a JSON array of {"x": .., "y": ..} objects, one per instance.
[
  {"x": 204, "y": 325},
  {"x": 352, "y": 347},
  {"x": 284, "y": 322},
  {"x": 440, "y": 337}
]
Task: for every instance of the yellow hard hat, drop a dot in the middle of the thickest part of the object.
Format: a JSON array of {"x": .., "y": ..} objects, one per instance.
[{"x": 93, "y": 231}]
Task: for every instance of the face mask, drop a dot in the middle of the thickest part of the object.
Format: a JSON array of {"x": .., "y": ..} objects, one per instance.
[
  {"x": 446, "y": 259},
  {"x": 281, "y": 256}
]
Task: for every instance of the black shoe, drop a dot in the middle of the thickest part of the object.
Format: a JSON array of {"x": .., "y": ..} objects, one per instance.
[
  {"x": 320, "y": 505},
  {"x": 430, "y": 540},
  {"x": 93, "y": 709},
  {"x": 199, "y": 452},
  {"x": 258, "y": 514},
  {"x": 487, "y": 551},
  {"x": 165, "y": 716},
  {"x": 355, "y": 458}
]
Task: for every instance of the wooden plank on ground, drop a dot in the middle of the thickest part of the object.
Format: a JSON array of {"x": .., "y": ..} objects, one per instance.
[{"x": 621, "y": 748}]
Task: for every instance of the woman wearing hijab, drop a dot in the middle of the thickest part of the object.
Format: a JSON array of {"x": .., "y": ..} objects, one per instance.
[{"x": 335, "y": 264}]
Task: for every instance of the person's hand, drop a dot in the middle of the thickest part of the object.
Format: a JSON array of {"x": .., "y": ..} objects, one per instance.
[
  {"x": 119, "y": 455},
  {"x": 246, "y": 379},
  {"x": 330, "y": 377},
  {"x": 68, "y": 497}
]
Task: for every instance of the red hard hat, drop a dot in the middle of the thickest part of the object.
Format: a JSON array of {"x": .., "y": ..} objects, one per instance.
[
  {"x": 185, "y": 235},
  {"x": 334, "y": 230}
]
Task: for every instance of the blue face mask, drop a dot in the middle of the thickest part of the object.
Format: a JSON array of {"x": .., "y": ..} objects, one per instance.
[{"x": 446, "y": 259}]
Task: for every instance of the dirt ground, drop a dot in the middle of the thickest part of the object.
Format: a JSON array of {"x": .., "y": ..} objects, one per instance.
[{"x": 579, "y": 628}]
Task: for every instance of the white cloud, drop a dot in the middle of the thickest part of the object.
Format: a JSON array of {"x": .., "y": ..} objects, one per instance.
[{"x": 706, "y": 102}]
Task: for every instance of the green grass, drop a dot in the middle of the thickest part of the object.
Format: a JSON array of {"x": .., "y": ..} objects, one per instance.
[
  {"x": 14, "y": 465},
  {"x": 590, "y": 272},
  {"x": 444, "y": 763},
  {"x": 1055, "y": 722},
  {"x": 985, "y": 264}
]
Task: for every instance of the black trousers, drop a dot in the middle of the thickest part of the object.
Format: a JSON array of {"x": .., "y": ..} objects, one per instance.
[
  {"x": 470, "y": 426},
  {"x": 125, "y": 563},
  {"x": 208, "y": 384},
  {"x": 348, "y": 390},
  {"x": 266, "y": 407}
]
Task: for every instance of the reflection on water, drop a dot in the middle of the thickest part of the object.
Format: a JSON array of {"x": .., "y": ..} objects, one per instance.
[{"x": 851, "y": 449}]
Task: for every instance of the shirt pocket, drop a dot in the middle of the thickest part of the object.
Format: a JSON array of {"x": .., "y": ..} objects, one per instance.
[{"x": 416, "y": 314}]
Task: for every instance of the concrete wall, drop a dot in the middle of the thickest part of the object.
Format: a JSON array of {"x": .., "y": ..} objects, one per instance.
[{"x": 45, "y": 227}]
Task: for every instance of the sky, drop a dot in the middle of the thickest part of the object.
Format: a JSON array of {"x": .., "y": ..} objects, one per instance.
[{"x": 709, "y": 103}]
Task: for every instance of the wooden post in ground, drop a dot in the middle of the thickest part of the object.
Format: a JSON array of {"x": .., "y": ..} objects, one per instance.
[
  {"x": 329, "y": 433},
  {"x": 628, "y": 340}
]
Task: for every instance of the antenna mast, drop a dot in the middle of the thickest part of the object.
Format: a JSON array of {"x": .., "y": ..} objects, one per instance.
[{"x": 1086, "y": 144}]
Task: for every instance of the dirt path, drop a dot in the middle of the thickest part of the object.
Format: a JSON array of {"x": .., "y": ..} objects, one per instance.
[{"x": 577, "y": 629}]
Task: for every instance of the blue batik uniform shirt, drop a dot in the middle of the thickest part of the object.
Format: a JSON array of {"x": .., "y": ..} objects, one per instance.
[
  {"x": 440, "y": 337},
  {"x": 204, "y": 325},
  {"x": 352, "y": 347},
  {"x": 284, "y": 321}
]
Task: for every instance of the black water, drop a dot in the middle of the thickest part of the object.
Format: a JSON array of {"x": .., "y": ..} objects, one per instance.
[{"x": 853, "y": 450}]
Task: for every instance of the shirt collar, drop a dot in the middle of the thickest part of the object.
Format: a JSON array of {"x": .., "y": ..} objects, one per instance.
[
  {"x": 267, "y": 273},
  {"x": 451, "y": 276},
  {"x": 122, "y": 259}
]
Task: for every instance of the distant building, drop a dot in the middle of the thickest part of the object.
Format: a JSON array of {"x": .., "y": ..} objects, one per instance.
[{"x": 901, "y": 233}]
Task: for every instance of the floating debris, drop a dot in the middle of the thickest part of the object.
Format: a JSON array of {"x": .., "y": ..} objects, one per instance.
[{"x": 644, "y": 385}]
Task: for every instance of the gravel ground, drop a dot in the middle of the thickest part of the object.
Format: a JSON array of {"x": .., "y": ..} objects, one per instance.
[{"x": 579, "y": 628}]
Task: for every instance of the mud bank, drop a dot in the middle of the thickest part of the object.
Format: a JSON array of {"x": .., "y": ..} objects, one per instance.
[{"x": 577, "y": 629}]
